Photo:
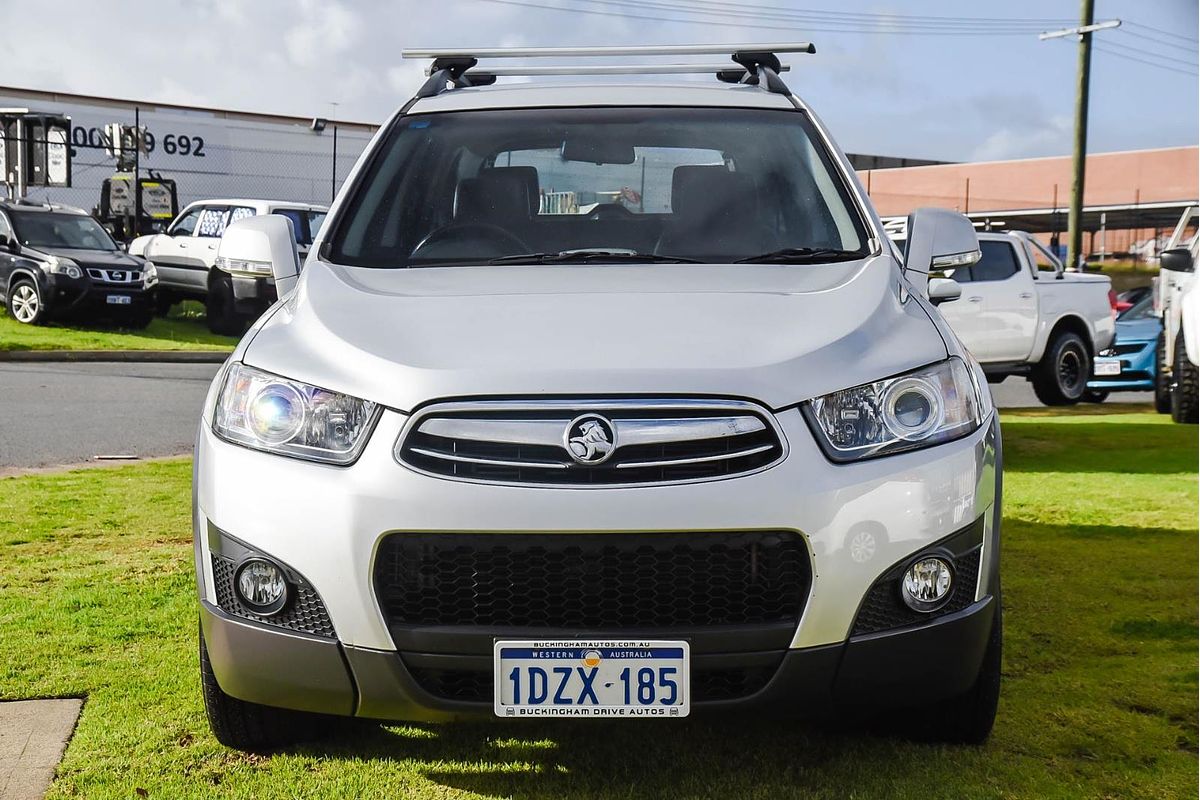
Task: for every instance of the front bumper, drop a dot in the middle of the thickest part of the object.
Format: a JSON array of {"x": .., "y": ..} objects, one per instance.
[
  {"x": 857, "y": 521},
  {"x": 291, "y": 670},
  {"x": 1137, "y": 369},
  {"x": 81, "y": 296}
]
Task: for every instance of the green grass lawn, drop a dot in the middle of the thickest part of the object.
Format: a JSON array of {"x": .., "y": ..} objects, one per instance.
[
  {"x": 1099, "y": 697},
  {"x": 184, "y": 329}
]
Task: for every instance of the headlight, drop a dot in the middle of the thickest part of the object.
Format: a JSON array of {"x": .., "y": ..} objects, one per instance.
[
  {"x": 63, "y": 266},
  {"x": 267, "y": 412},
  {"x": 149, "y": 275},
  {"x": 932, "y": 405}
]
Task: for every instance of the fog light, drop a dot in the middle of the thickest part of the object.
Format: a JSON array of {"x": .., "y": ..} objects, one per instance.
[
  {"x": 261, "y": 586},
  {"x": 927, "y": 584}
]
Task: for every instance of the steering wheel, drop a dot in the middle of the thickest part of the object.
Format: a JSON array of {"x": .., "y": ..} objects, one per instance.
[
  {"x": 609, "y": 211},
  {"x": 505, "y": 241}
]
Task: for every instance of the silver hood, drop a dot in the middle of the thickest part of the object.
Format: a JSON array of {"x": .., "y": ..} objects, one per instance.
[{"x": 778, "y": 334}]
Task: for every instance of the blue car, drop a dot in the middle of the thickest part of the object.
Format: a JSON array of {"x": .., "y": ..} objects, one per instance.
[{"x": 1129, "y": 365}]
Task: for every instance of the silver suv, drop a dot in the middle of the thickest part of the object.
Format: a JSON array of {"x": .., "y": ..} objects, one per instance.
[{"x": 600, "y": 400}]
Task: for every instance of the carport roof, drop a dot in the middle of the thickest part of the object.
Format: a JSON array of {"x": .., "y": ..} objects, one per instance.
[{"x": 1139, "y": 216}]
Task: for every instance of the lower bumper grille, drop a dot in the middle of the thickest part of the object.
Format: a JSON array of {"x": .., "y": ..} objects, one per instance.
[
  {"x": 884, "y": 609},
  {"x": 304, "y": 612},
  {"x": 615, "y": 581}
]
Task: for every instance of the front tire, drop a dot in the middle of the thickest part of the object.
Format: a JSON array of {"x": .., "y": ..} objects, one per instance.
[
  {"x": 968, "y": 719},
  {"x": 1061, "y": 377},
  {"x": 252, "y": 727},
  {"x": 1185, "y": 406},
  {"x": 25, "y": 302},
  {"x": 220, "y": 307},
  {"x": 1162, "y": 378}
]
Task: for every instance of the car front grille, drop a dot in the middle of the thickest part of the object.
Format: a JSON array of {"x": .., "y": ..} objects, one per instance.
[
  {"x": 599, "y": 582},
  {"x": 635, "y": 441},
  {"x": 114, "y": 277},
  {"x": 708, "y": 684},
  {"x": 1128, "y": 348}
]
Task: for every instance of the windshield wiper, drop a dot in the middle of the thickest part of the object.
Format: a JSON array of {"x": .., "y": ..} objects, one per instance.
[
  {"x": 618, "y": 255},
  {"x": 803, "y": 255}
]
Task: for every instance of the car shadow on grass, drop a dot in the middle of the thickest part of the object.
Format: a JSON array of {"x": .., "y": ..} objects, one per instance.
[
  {"x": 699, "y": 757},
  {"x": 1090, "y": 447}
]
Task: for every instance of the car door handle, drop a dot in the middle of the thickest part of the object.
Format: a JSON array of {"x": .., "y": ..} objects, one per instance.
[
  {"x": 183, "y": 245},
  {"x": 1025, "y": 295},
  {"x": 975, "y": 299}
]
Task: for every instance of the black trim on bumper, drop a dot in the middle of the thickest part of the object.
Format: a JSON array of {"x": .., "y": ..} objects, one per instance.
[{"x": 274, "y": 667}]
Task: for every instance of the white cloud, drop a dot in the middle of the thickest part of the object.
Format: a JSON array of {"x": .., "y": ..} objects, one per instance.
[
  {"x": 1049, "y": 135},
  {"x": 323, "y": 29}
]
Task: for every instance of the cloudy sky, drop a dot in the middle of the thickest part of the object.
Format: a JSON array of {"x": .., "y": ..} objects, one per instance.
[{"x": 927, "y": 83}]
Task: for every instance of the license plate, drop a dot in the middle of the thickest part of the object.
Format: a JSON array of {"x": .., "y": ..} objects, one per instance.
[
  {"x": 119, "y": 299},
  {"x": 572, "y": 678},
  {"x": 1108, "y": 366}
]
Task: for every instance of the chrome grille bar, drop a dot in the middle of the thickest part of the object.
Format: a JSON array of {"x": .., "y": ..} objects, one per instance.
[
  {"x": 535, "y": 442},
  {"x": 630, "y": 432},
  {"x": 699, "y": 460},
  {"x": 491, "y": 462}
]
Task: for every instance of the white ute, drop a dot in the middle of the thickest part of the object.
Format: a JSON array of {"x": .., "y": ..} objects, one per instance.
[
  {"x": 600, "y": 400},
  {"x": 186, "y": 259},
  {"x": 1021, "y": 313}
]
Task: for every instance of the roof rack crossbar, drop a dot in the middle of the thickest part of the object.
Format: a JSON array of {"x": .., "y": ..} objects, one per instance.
[
  {"x": 611, "y": 52},
  {"x": 612, "y": 69},
  {"x": 757, "y": 64}
]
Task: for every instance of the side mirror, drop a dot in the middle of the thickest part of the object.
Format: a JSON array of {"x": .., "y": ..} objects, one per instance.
[
  {"x": 1178, "y": 259},
  {"x": 938, "y": 239},
  {"x": 261, "y": 245},
  {"x": 9, "y": 244},
  {"x": 943, "y": 290}
]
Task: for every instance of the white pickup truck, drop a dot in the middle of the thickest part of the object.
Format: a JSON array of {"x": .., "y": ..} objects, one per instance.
[
  {"x": 1021, "y": 313},
  {"x": 1177, "y": 300}
]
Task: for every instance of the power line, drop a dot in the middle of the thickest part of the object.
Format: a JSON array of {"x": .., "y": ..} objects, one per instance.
[
  {"x": 1183, "y": 47},
  {"x": 1160, "y": 31},
  {"x": 991, "y": 31},
  {"x": 899, "y": 24},
  {"x": 923, "y": 20},
  {"x": 1127, "y": 57}
]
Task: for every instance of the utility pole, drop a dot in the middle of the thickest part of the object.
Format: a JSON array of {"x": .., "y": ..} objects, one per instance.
[{"x": 1079, "y": 157}]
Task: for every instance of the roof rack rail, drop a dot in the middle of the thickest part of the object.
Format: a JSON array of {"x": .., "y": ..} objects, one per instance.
[
  {"x": 757, "y": 64},
  {"x": 607, "y": 69}
]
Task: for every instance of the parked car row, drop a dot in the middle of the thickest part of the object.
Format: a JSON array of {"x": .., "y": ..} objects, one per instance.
[{"x": 57, "y": 261}]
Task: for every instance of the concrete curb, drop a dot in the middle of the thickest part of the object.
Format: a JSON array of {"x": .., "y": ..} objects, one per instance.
[{"x": 124, "y": 356}]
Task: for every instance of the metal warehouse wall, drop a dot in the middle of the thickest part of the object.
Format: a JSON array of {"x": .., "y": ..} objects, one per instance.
[{"x": 209, "y": 152}]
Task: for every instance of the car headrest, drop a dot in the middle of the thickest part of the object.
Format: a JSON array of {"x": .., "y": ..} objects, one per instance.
[
  {"x": 499, "y": 194},
  {"x": 711, "y": 192}
]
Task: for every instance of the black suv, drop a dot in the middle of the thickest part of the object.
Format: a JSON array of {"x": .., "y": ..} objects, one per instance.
[{"x": 58, "y": 261}]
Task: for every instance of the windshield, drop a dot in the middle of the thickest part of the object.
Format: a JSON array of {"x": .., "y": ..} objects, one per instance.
[
  {"x": 1142, "y": 309},
  {"x": 66, "y": 231},
  {"x": 709, "y": 185}
]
